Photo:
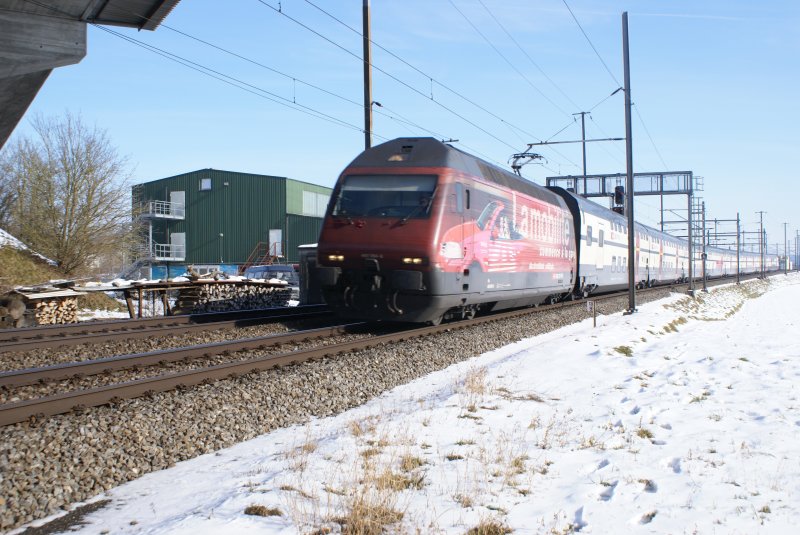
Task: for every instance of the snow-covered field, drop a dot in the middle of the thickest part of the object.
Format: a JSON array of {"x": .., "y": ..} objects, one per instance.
[{"x": 681, "y": 418}]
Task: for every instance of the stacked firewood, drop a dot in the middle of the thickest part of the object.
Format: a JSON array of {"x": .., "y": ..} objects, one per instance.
[
  {"x": 56, "y": 311},
  {"x": 225, "y": 297}
]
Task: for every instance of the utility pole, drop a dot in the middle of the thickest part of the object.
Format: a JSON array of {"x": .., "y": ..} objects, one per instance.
[
  {"x": 785, "y": 251},
  {"x": 738, "y": 249},
  {"x": 761, "y": 242},
  {"x": 367, "y": 78},
  {"x": 629, "y": 166},
  {"x": 583, "y": 142},
  {"x": 704, "y": 254}
]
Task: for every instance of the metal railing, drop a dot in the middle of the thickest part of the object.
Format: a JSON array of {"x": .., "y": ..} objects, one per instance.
[{"x": 164, "y": 209}]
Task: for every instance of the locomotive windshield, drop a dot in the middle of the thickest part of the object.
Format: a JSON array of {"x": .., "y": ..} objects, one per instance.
[{"x": 389, "y": 196}]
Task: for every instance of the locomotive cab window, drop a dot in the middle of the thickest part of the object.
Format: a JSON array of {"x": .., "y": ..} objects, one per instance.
[
  {"x": 457, "y": 198},
  {"x": 385, "y": 196}
]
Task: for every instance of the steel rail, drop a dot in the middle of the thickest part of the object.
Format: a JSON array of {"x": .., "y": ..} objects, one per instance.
[
  {"x": 62, "y": 403},
  {"x": 21, "y": 411},
  {"x": 147, "y": 332},
  {"x": 88, "y": 327},
  {"x": 85, "y": 368}
]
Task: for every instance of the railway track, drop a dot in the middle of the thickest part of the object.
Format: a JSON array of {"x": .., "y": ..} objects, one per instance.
[
  {"x": 64, "y": 402},
  {"x": 25, "y": 339}
]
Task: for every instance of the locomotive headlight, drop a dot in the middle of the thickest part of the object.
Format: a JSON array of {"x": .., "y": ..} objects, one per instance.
[
  {"x": 451, "y": 249},
  {"x": 336, "y": 258},
  {"x": 413, "y": 260}
]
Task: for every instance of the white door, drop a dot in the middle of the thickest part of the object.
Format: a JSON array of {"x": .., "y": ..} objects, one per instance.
[
  {"x": 177, "y": 241},
  {"x": 601, "y": 238},
  {"x": 178, "y": 201},
  {"x": 275, "y": 242}
]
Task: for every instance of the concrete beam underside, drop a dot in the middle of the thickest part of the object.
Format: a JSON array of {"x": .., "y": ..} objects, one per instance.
[{"x": 31, "y": 46}]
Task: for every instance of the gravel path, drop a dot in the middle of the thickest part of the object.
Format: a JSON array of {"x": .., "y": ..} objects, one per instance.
[{"x": 48, "y": 465}]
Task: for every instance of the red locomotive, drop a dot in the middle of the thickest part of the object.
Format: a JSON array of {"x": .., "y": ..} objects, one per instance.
[{"x": 417, "y": 230}]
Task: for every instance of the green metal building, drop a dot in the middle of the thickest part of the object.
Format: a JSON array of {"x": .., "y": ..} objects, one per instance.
[{"x": 225, "y": 220}]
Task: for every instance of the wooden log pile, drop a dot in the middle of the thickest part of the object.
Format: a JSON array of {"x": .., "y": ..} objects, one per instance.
[
  {"x": 227, "y": 297},
  {"x": 49, "y": 304},
  {"x": 56, "y": 311}
]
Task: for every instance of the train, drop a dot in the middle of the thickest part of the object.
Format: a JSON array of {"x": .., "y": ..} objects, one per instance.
[{"x": 419, "y": 231}]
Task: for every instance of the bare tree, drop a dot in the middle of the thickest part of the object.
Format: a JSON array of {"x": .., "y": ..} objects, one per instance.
[
  {"x": 8, "y": 192},
  {"x": 68, "y": 193}
]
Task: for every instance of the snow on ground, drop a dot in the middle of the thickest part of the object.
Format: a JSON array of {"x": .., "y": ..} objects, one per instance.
[
  {"x": 88, "y": 314},
  {"x": 681, "y": 418},
  {"x": 8, "y": 240},
  {"x": 11, "y": 241}
]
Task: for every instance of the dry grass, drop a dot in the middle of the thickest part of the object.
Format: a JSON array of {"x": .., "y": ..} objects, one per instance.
[
  {"x": 261, "y": 510},
  {"x": 100, "y": 301},
  {"x": 673, "y": 325},
  {"x": 472, "y": 389},
  {"x": 372, "y": 502},
  {"x": 409, "y": 463},
  {"x": 490, "y": 527},
  {"x": 389, "y": 480},
  {"x": 20, "y": 268},
  {"x": 475, "y": 382},
  {"x": 624, "y": 350}
]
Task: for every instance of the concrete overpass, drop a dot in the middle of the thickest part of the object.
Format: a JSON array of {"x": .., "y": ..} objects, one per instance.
[{"x": 36, "y": 36}]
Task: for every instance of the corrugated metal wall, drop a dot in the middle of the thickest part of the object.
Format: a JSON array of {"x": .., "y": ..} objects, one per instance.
[
  {"x": 302, "y": 230},
  {"x": 294, "y": 196},
  {"x": 242, "y": 207}
]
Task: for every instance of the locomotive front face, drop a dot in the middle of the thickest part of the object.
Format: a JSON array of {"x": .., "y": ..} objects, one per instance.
[{"x": 375, "y": 249}]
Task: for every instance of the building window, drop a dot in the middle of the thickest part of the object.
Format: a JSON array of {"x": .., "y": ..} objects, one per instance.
[
  {"x": 205, "y": 184},
  {"x": 314, "y": 204}
]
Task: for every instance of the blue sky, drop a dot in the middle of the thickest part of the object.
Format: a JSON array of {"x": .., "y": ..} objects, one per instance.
[{"x": 715, "y": 82}]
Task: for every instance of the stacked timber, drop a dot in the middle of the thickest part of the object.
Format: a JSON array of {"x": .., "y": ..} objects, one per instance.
[
  {"x": 49, "y": 304},
  {"x": 56, "y": 311},
  {"x": 227, "y": 297}
]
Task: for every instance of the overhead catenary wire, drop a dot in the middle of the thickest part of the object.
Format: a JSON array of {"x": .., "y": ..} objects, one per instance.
[
  {"x": 386, "y": 112},
  {"x": 574, "y": 119},
  {"x": 421, "y": 72},
  {"x": 230, "y": 80},
  {"x": 416, "y": 69},
  {"x": 508, "y": 61},
  {"x": 260, "y": 92},
  {"x": 398, "y": 80},
  {"x": 525, "y": 53},
  {"x": 591, "y": 44},
  {"x": 613, "y": 78},
  {"x": 641, "y": 120}
]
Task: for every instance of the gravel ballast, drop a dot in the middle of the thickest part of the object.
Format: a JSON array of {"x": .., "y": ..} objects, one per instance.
[{"x": 46, "y": 466}]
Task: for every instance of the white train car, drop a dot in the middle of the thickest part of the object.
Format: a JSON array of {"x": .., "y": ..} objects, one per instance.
[{"x": 602, "y": 252}]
